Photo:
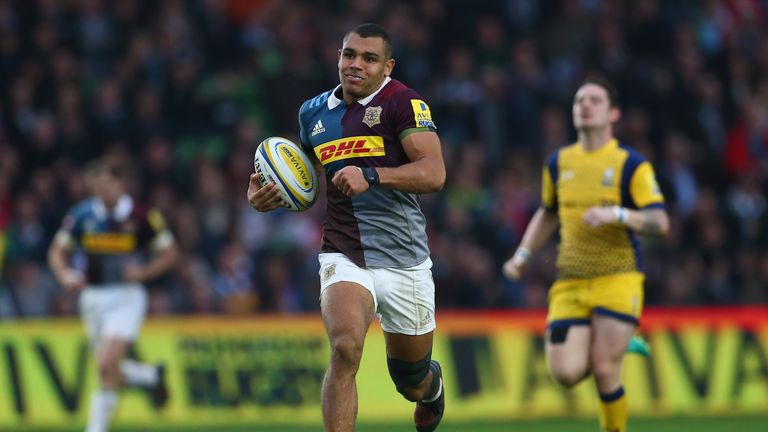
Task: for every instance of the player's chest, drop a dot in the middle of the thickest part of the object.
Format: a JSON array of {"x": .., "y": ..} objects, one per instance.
[
  {"x": 109, "y": 236},
  {"x": 590, "y": 180},
  {"x": 349, "y": 133}
]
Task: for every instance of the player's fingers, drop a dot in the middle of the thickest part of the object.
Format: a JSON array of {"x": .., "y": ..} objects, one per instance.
[
  {"x": 265, "y": 198},
  {"x": 336, "y": 178}
]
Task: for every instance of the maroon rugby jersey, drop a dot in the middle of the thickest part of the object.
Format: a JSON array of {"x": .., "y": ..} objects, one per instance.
[{"x": 381, "y": 227}]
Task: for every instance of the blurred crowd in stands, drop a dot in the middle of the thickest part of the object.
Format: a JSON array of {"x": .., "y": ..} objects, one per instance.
[{"x": 183, "y": 91}]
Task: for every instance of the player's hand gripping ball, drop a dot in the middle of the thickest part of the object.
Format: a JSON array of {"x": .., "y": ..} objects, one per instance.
[{"x": 284, "y": 163}]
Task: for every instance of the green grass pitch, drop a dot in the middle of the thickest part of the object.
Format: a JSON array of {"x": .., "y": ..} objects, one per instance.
[{"x": 673, "y": 424}]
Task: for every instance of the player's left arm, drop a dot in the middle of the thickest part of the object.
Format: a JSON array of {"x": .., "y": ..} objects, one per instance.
[
  {"x": 650, "y": 218},
  {"x": 165, "y": 252},
  {"x": 423, "y": 174},
  {"x": 426, "y": 170}
]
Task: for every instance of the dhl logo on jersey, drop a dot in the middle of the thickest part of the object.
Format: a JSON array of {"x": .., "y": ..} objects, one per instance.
[
  {"x": 350, "y": 147},
  {"x": 109, "y": 243}
]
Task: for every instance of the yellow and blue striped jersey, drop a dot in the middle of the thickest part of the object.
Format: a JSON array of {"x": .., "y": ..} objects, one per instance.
[{"x": 576, "y": 179}]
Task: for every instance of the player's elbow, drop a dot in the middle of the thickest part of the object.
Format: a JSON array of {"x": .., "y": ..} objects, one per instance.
[
  {"x": 437, "y": 180},
  {"x": 662, "y": 223},
  {"x": 664, "y": 226}
]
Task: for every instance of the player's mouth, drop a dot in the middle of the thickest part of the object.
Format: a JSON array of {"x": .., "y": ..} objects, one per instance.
[{"x": 353, "y": 79}]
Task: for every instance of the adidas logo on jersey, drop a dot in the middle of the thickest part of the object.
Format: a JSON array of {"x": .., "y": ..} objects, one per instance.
[{"x": 318, "y": 128}]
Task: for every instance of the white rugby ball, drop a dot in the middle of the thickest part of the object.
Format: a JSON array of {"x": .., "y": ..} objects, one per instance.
[{"x": 284, "y": 163}]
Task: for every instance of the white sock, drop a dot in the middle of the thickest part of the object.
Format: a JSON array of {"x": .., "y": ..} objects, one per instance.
[
  {"x": 437, "y": 394},
  {"x": 103, "y": 404},
  {"x": 139, "y": 374}
]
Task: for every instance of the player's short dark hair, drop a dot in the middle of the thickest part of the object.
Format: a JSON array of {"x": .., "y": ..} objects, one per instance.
[
  {"x": 610, "y": 89},
  {"x": 103, "y": 166},
  {"x": 373, "y": 30}
]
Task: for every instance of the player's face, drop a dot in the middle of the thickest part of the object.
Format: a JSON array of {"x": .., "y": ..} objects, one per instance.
[
  {"x": 106, "y": 187},
  {"x": 592, "y": 108},
  {"x": 363, "y": 65}
]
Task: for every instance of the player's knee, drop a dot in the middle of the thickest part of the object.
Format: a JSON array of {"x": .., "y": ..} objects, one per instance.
[
  {"x": 109, "y": 370},
  {"x": 567, "y": 375},
  {"x": 408, "y": 376},
  {"x": 606, "y": 372},
  {"x": 346, "y": 351}
]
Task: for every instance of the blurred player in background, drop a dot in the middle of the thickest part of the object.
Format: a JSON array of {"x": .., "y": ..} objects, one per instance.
[
  {"x": 375, "y": 139},
  {"x": 600, "y": 194},
  {"x": 98, "y": 251}
]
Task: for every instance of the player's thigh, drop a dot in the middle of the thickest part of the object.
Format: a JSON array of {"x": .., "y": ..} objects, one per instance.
[
  {"x": 569, "y": 355},
  {"x": 111, "y": 351},
  {"x": 409, "y": 348},
  {"x": 92, "y": 314},
  {"x": 610, "y": 338},
  {"x": 115, "y": 312},
  {"x": 347, "y": 297},
  {"x": 568, "y": 334},
  {"x": 406, "y": 300},
  {"x": 347, "y": 310},
  {"x": 124, "y": 313}
]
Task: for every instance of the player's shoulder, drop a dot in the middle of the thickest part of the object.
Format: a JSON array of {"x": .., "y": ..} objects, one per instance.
[
  {"x": 633, "y": 156},
  {"x": 556, "y": 154},
  {"x": 84, "y": 208},
  {"x": 318, "y": 102},
  {"x": 396, "y": 90}
]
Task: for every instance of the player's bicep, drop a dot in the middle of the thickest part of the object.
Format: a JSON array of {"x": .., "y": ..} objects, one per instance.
[
  {"x": 65, "y": 237},
  {"x": 644, "y": 188},
  {"x": 423, "y": 144},
  {"x": 548, "y": 192}
]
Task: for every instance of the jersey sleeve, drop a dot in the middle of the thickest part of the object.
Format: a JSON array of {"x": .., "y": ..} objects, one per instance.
[
  {"x": 154, "y": 232},
  {"x": 411, "y": 113},
  {"x": 157, "y": 233},
  {"x": 303, "y": 136},
  {"x": 69, "y": 232},
  {"x": 644, "y": 188},
  {"x": 549, "y": 183}
]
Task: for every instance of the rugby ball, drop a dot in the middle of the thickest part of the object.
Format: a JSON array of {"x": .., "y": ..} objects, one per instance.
[{"x": 284, "y": 163}]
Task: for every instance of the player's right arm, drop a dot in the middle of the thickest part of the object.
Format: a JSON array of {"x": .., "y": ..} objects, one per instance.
[
  {"x": 542, "y": 225},
  {"x": 540, "y": 229},
  {"x": 70, "y": 278}
]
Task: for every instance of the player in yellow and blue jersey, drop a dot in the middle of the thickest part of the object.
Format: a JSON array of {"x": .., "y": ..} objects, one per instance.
[{"x": 600, "y": 194}]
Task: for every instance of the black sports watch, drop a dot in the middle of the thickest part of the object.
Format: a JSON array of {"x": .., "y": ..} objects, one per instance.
[{"x": 370, "y": 175}]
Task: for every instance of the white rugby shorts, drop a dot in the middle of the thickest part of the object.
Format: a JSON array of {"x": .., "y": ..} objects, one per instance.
[
  {"x": 114, "y": 311},
  {"x": 404, "y": 298}
]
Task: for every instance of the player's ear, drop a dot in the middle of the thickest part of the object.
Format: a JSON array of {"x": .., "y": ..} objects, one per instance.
[
  {"x": 615, "y": 114},
  {"x": 388, "y": 66}
]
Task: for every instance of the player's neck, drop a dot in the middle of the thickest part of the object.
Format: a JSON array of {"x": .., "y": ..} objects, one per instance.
[{"x": 595, "y": 139}]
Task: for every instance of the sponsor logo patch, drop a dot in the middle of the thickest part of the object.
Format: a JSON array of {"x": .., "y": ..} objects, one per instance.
[
  {"x": 350, "y": 147},
  {"x": 421, "y": 114},
  {"x": 318, "y": 128},
  {"x": 109, "y": 243}
]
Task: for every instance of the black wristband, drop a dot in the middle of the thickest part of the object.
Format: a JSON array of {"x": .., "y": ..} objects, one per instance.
[{"x": 370, "y": 175}]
